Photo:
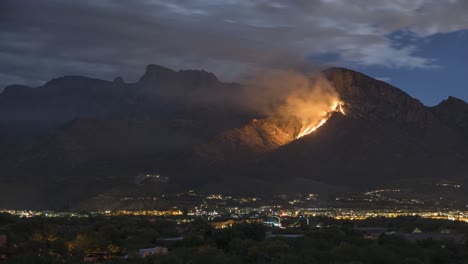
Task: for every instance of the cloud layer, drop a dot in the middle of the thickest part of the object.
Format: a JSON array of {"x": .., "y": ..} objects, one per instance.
[{"x": 44, "y": 39}]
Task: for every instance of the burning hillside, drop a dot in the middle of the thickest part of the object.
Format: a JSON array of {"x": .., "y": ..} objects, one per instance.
[
  {"x": 292, "y": 96},
  {"x": 311, "y": 127},
  {"x": 293, "y": 105}
]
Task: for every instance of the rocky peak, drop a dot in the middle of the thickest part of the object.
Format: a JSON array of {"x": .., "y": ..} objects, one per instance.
[
  {"x": 119, "y": 81},
  {"x": 453, "y": 112},
  {"x": 155, "y": 73},
  {"x": 158, "y": 76},
  {"x": 368, "y": 98},
  {"x": 453, "y": 103}
]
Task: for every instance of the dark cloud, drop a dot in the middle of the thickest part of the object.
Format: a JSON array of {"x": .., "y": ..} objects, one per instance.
[{"x": 44, "y": 39}]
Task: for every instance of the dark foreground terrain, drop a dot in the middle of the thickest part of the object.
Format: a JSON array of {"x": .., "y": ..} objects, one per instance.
[{"x": 99, "y": 239}]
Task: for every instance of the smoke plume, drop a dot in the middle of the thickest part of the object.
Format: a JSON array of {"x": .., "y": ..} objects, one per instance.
[{"x": 310, "y": 99}]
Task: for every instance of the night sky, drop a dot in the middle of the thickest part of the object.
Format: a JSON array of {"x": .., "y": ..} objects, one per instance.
[{"x": 419, "y": 46}]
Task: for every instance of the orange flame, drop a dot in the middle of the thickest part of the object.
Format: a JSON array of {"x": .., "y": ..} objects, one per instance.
[{"x": 309, "y": 128}]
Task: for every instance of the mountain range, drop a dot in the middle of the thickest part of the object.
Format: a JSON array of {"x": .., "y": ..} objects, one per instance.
[{"x": 77, "y": 138}]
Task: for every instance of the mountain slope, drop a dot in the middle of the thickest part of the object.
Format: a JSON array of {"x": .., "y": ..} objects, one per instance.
[
  {"x": 386, "y": 135},
  {"x": 184, "y": 125},
  {"x": 116, "y": 123},
  {"x": 258, "y": 137}
]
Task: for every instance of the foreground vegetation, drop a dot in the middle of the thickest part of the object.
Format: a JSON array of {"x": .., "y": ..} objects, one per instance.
[{"x": 70, "y": 240}]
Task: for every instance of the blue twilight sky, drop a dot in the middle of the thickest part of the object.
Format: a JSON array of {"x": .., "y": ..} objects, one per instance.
[
  {"x": 418, "y": 45},
  {"x": 449, "y": 53}
]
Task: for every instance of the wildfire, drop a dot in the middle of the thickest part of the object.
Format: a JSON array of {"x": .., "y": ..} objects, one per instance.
[
  {"x": 308, "y": 100},
  {"x": 309, "y": 128}
]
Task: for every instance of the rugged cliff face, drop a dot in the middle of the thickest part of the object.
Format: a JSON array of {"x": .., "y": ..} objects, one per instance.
[{"x": 372, "y": 99}]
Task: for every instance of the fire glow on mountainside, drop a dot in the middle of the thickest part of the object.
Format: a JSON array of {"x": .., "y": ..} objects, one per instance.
[
  {"x": 309, "y": 99},
  {"x": 309, "y": 128}
]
